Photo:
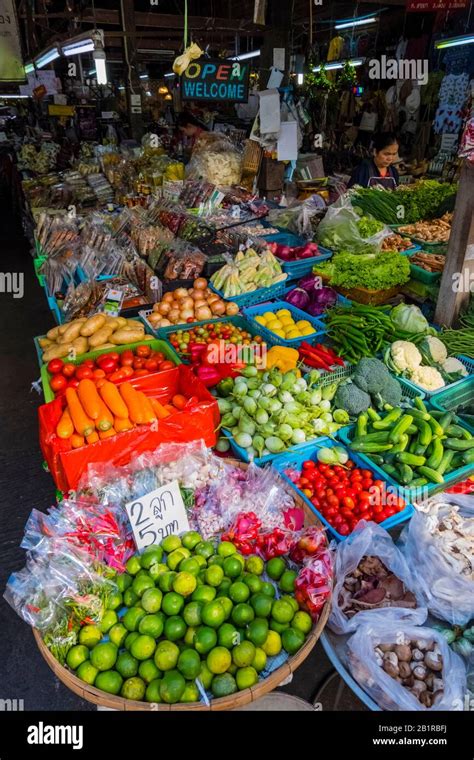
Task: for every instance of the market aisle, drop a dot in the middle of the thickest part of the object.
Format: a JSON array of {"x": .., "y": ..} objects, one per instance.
[{"x": 24, "y": 485}]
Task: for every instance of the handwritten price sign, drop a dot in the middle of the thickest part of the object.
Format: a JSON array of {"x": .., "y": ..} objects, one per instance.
[{"x": 158, "y": 514}]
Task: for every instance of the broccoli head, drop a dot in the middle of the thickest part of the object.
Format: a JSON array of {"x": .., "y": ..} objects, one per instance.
[
  {"x": 391, "y": 393},
  {"x": 351, "y": 398},
  {"x": 370, "y": 375}
]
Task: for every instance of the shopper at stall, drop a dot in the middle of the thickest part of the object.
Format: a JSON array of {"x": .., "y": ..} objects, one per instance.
[
  {"x": 190, "y": 127},
  {"x": 379, "y": 169}
]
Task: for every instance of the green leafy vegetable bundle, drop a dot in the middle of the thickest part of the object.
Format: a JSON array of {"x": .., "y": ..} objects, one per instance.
[
  {"x": 423, "y": 200},
  {"x": 374, "y": 271}
]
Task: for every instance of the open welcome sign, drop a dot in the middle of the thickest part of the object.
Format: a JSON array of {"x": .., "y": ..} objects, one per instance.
[{"x": 216, "y": 80}]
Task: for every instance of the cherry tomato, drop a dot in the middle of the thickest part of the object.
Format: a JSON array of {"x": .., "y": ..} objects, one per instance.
[
  {"x": 88, "y": 363},
  {"x": 350, "y": 464},
  {"x": 329, "y": 472},
  {"x": 140, "y": 373},
  {"x": 58, "y": 382},
  {"x": 151, "y": 365},
  {"x": 330, "y": 512},
  {"x": 355, "y": 475},
  {"x": 73, "y": 383},
  {"x": 55, "y": 366},
  {"x": 365, "y": 515},
  {"x": 127, "y": 371},
  {"x": 309, "y": 465},
  {"x": 143, "y": 351},
  {"x": 315, "y": 502},
  {"x": 117, "y": 376},
  {"x": 378, "y": 483},
  {"x": 389, "y": 511},
  {"x": 69, "y": 370},
  {"x": 366, "y": 483},
  {"x": 400, "y": 505},
  {"x": 307, "y": 492},
  {"x": 344, "y": 529},
  {"x": 158, "y": 356},
  {"x": 333, "y": 501},
  {"x": 166, "y": 365},
  {"x": 348, "y": 503},
  {"x": 377, "y": 509},
  {"x": 97, "y": 374},
  {"x": 126, "y": 358},
  {"x": 304, "y": 482},
  {"x": 137, "y": 363},
  {"x": 179, "y": 401},
  {"x": 83, "y": 372},
  {"x": 108, "y": 363}
]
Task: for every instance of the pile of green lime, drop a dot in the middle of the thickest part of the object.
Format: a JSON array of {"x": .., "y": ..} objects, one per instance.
[{"x": 195, "y": 610}]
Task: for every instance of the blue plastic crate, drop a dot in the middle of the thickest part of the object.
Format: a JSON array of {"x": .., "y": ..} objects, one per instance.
[
  {"x": 410, "y": 494},
  {"x": 411, "y": 250},
  {"x": 242, "y": 454},
  {"x": 255, "y": 296},
  {"x": 238, "y": 321},
  {"x": 296, "y": 269},
  {"x": 253, "y": 311},
  {"x": 309, "y": 451},
  {"x": 468, "y": 363}
]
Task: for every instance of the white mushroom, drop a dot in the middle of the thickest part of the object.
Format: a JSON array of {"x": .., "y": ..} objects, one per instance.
[
  {"x": 434, "y": 660},
  {"x": 417, "y": 655}
]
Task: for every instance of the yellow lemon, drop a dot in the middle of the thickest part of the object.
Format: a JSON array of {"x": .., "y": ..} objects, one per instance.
[
  {"x": 279, "y": 332},
  {"x": 293, "y": 334},
  {"x": 268, "y": 316},
  {"x": 286, "y": 320},
  {"x": 283, "y": 313},
  {"x": 261, "y": 320},
  {"x": 308, "y": 331},
  {"x": 303, "y": 324},
  {"x": 275, "y": 325}
]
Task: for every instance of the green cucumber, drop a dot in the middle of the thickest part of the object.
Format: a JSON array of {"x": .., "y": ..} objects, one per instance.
[
  {"x": 361, "y": 425},
  {"x": 368, "y": 447},
  {"x": 388, "y": 420},
  {"x": 459, "y": 444},
  {"x": 446, "y": 462},
  {"x": 436, "y": 455},
  {"x": 425, "y": 433},
  {"x": 411, "y": 459},
  {"x": 456, "y": 431},
  {"x": 400, "y": 427},
  {"x": 468, "y": 457},
  {"x": 405, "y": 474},
  {"x": 373, "y": 415},
  {"x": 418, "y": 483},
  {"x": 401, "y": 445},
  {"x": 431, "y": 474},
  {"x": 418, "y": 402}
]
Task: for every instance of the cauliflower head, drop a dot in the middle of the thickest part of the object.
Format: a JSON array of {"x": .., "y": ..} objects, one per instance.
[
  {"x": 428, "y": 378},
  {"x": 453, "y": 367},
  {"x": 434, "y": 350},
  {"x": 405, "y": 356}
]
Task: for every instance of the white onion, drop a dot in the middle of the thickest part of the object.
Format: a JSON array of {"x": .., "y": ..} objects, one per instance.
[{"x": 203, "y": 313}]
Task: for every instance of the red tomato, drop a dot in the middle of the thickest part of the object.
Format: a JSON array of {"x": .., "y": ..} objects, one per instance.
[
  {"x": 166, "y": 365},
  {"x": 350, "y": 464},
  {"x": 158, "y": 356},
  {"x": 126, "y": 358},
  {"x": 389, "y": 511},
  {"x": 344, "y": 529},
  {"x": 367, "y": 483},
  {"x": 138, "y": 363},
  {"x": 309, "y": 465},
  {"x": 140, "y": 373},
  {"x": 330, "y": 512},
  {"x": 108, "y": 364},
  {"x": 69, "y": 370},
  {"x": 378, "y": 483},
  {"x": 117, "y": 376},
  {"x": 83, "y": 371},
  {"x": 58, "y": 382},
  {"x": 143, "y": 351},
  {"x": 348, "y": 503},
  {"x": 97, "y": 374},
  {"x": 365, "y": 515},
  {"x": 333, "y": 501},
  {"x": 304, "y": 482},
  {"x": 151, "y": 365},
  {"x": 88, "y": 363},
  {"x": 127, "y": 371},
  {"x": 73, "y": 382},
  {"x": 400, "y": 505},
  {"x": 55, "y": 366},
  {"x": 377, "y": 509}
]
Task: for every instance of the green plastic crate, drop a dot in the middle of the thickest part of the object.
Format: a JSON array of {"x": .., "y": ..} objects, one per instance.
[
  {"x": 451, "y": 399},
  {"x": 38, "y": 263},
  {"x": 155, "y": 345},
  {"x": 420, "y": 274}
]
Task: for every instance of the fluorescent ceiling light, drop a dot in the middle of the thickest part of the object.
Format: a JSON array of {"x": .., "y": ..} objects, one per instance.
[
  {"x": 245, "y": 56},
  {"x": 339, "y": 64},
  {"x": 356, "y": 22},
  {"x": 13, "y": 97},
  {"x": 171, "y": 74},
  {"x": 144, "y": 76},
  {"x": 85, "y": 46},
  {"x": 300, "y": 78},
  {"x": 47, "y": 57},
  {"x": 29, "y": 68},
  {"x": 468, "y": 39},
  {"x": 121, "y": 87},
  {"x": 100, "y": 66}
]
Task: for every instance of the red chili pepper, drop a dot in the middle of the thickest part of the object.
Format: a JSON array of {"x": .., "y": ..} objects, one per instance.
[{"x": 208, "y": 375}]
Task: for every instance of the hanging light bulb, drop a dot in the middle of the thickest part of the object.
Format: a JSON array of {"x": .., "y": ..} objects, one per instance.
[
  {"x": 100, "y": 65},
  {"x": 168, "y": 97},
  {"x": 163, "y": 90}
]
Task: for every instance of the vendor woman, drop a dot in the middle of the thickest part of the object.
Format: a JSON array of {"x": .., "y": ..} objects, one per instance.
[
  {"x": 378, "y": 170},
  {"x": 190, "y": 127}
]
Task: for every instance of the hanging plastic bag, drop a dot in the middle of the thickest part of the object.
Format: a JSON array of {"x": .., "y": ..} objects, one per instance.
[
  {"x": 438, "y": 545},
  {"x": 181, "y": 63},
  {"x": 216, "y": 159},
  {"x": 366, "y": 665},
  {"x": 366, "y": 592}
]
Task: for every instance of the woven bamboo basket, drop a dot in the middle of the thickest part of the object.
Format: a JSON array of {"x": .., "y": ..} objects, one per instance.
[{"x": 101, "y": 698}]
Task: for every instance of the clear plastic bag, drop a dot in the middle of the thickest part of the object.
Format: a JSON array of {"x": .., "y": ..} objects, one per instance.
[
  {"x": 370, "y": 540},
  {"x": 301, "y": 217},
  {"x": 215, "y": 159},
  {"x": 339, "y": 228},
  {"x": 385, "y": 690},
  {"x": 444, "y": 578}
]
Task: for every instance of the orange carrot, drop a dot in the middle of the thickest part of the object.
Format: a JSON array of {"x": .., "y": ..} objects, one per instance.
[
  {"x": 112, "y": 398},
  {"x": 170, "y": 409},
  {"x": 77, "y": 441},
  {"x": 121, "y": 424},
  {"x": 105, "y": 420},
  {"x": 65, "y": 428},
  {"x": 93, "y": 437},
  {"x": 149, "y": 414},
  {"x": 159, "y": 409},
  {"x": 89, "y": 398},
  {"x": 82, "y": 423},
  {"x": 133, "y": 402},
  {"x": 107, "y": 433}
]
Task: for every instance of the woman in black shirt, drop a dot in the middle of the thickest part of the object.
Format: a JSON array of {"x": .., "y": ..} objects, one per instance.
[{"x": 378, "y": 170}]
